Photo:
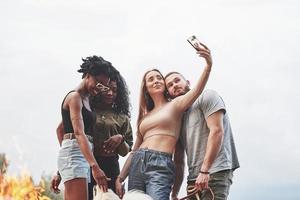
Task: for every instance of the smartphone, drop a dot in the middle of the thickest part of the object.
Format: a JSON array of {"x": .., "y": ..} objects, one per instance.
[{"x": 194, "y": 42}]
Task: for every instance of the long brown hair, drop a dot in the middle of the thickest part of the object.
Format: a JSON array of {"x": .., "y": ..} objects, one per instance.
[{"x": 146, "y": 102}]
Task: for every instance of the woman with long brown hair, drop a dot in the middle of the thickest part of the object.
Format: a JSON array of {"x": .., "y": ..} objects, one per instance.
[{"x": 150, "y": 166}]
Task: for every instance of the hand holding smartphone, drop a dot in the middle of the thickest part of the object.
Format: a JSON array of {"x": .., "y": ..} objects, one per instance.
[
  {"x": 201, "y": 49},
  {"x": 195, "y": 42}
]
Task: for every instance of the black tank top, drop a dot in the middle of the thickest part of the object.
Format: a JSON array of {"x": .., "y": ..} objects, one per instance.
[{"x": 87, "y": 116}]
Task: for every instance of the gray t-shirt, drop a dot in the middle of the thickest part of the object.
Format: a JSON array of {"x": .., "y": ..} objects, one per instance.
[{"x": 195, "y": 134}]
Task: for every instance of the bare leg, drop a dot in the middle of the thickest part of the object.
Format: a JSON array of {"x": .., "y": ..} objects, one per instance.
[{"x": 76, "y": 189}]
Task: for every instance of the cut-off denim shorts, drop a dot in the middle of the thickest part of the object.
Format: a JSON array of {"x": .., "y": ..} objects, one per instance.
[
  {"x": 71, "y": 162},
  {"x": 152, "y": 172}
]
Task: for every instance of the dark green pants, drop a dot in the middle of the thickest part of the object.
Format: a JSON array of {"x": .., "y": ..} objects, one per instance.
[{"x": 219, "y": 183}]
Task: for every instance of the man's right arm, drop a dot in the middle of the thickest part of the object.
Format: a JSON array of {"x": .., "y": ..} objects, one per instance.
[
  {"x": 179, "y": 165},
  {"x": 214, "y": 142}
]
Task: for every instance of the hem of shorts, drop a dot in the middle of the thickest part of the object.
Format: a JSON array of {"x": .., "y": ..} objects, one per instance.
[{"x": 71, "y": 178}]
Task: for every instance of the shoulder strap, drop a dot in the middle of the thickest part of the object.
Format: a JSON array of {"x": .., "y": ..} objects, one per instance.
[{"x": 65, "y": 98}]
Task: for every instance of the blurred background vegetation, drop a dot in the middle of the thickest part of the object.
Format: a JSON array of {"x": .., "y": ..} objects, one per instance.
[{"x": 23, "y": 187}]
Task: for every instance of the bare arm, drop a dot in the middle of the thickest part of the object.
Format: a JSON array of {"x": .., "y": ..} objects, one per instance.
[
  {"x": 56, "y": 179},
  {"x": 188, "y": 99},
  {"x": 125, "y": 169},
  {"x": 179, "y": 166},
  {"x": 60, "y": 132},
  {"x": 215, "y": 138},
  {"x": 75, "y": 106}
]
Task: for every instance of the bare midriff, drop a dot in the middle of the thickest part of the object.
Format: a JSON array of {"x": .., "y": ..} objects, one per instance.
[{"x": 159, "y": 142}]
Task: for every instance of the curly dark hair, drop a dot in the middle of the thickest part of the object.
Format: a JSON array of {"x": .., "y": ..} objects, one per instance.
[
  {"x": 96, "y": 65},
  {"x": 122, "y": 104}
]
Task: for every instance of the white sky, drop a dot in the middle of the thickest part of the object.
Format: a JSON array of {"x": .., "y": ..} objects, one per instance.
[{"x": 255, "y": 47}]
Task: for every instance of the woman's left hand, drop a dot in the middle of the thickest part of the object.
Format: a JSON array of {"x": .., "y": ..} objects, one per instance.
[
  {"x": 110, "y": 145},
  {"x": 55, "y": 181},
  {"x": 119, "y": 188}
]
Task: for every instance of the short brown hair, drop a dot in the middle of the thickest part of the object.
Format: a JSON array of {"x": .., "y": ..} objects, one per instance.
[{"x": 174, "y": 72}]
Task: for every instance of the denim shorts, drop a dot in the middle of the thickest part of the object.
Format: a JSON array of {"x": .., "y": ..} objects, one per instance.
[
  {"x": 71, "y": 162},
  {"x": 152, "y": 172}
]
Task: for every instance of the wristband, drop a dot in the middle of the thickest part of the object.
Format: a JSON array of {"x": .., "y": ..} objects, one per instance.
[{"x": 204, "y": 172}]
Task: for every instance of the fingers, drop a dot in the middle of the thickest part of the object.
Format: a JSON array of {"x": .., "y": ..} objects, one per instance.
[
  {"x": 102, "y": 182},
  {"x": 201, "y": 186},
  {"x": 206, "y": 55},
  {"x": 198, "y": 186},
  {"x": 204, "y": 52},
  {"x": 119, "y": 189},
  {"x": 104, "y": 188},
  {"x": 113, "y": 147},
  {"x": 200, "y": 46},
  {"x": 109, "y": 149},
  {"x": 100, "y": 178},
  {"x": 54, "y": 186},
  {"x": 57, "y": 191},
  {"x": 103, "y": 185},
  {"x": 205, "y": 185},
  {"x": 202, "y": 182},
  {"x": 204, "y": 46},
  {"x": 110, "y": 146}
]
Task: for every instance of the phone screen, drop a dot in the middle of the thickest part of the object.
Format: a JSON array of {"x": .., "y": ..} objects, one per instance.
[{"x": 194, "y": 42}]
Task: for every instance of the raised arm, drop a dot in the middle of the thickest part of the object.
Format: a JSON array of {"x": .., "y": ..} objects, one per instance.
[
  {"x": 188, "y": 99},
  {"x": 75, "y": 106}
]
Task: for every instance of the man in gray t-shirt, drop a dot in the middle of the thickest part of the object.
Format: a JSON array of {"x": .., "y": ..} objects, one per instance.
[{"x": 206, "y": 137}]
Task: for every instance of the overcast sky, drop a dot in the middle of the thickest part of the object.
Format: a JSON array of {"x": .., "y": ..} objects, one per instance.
[{"x": 255, "y": 48}]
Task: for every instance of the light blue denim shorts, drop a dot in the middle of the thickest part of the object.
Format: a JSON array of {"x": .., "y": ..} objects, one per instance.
[{"x": 71, "y": 162}]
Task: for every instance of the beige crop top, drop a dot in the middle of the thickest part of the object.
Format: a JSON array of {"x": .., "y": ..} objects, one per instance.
[{"x": 166, "y": 121}]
